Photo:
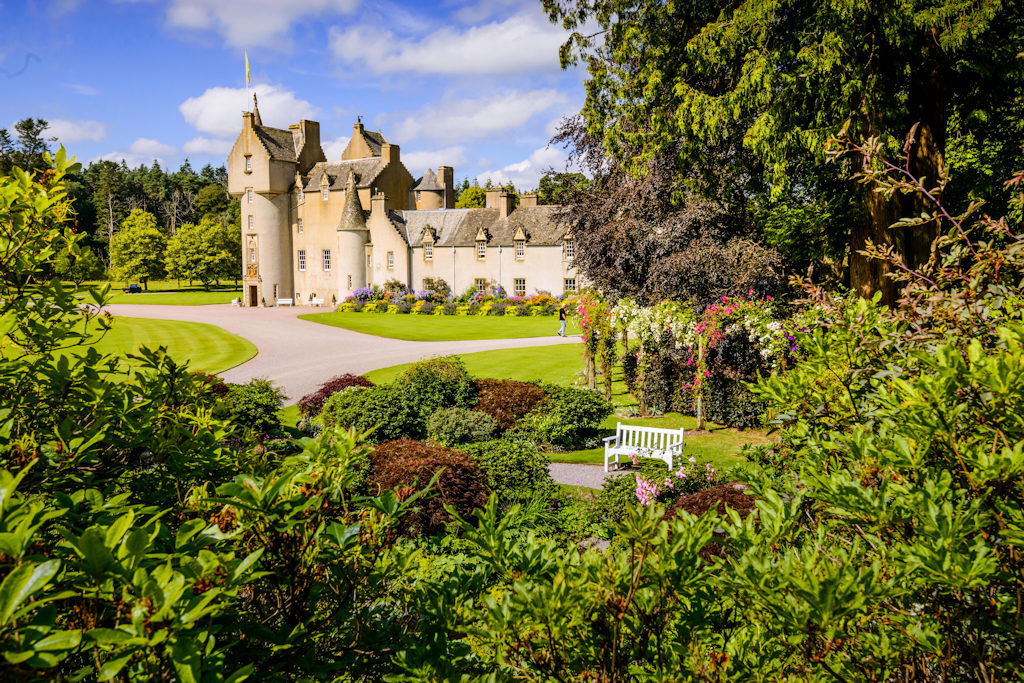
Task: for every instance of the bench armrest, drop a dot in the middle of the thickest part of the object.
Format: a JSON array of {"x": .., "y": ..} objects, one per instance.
[{"x": 609, "y": 438}]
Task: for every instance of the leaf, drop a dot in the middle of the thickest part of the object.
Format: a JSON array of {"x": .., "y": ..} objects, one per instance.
[
  {"x": 61, "y": 640},
  {"x": 107, "y": 636},
  {"x": 113, "y": 667},
  {"x": 23, "y": 582}
]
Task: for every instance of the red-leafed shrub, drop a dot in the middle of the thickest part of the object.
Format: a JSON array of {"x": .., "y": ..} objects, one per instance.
[
  {"x": 215, "y": 384},
  {"x": 506, "y": 400},
  {"x": 312, "y": 404},
  {"x": 397, "y": 464}
]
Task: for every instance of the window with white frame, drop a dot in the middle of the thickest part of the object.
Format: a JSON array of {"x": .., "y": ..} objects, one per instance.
[
  {"x": 248, "y": 162},
  {"x": 570, "y": 285},
  {"x": 299, "y": 225},
  {"x": 519, "y": 286},
  {"x": 252, "y": 222},
  {"x": 369, "y": 261},
  {"x": 300, "y": 196},
  {"x": 350, "y": 282},
  {"x": 481, "y": 249},
  {"x": 302, "y": 259},
  {"x": 428, "y": 252},
  {"x": 248, "y": 196},
  {"x": 419, "y": 195},
  {"x": 391, "y": 260},
  {"x": 480, "y": 284},
  {"x": 327, "y": 259},
  {"x": 568, "y": 250},
  {"x": 252, "y": 256},
  {"x": 326, "y": 193},
  {"x": 520, "y": 248}
]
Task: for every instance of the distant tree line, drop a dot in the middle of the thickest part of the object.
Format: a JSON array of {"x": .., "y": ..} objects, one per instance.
[{"x": 180, "y": 224}]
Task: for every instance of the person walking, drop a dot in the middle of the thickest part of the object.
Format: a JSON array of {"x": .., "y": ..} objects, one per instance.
[{"x": 561, "y": 319}]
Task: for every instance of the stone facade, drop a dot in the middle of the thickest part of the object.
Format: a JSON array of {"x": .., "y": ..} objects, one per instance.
[{"x": 314, "y": 229}]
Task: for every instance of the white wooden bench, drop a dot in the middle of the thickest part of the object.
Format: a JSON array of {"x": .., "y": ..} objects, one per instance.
[
  {"x": 236, "y": 302},
  {"x": 316, "y": 302},
  {"x": 285, "y": 302},
  {"x": 646, "y": 442}
]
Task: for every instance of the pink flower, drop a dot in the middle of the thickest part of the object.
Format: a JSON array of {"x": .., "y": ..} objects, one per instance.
[
  {"x": 725, "y": 299},
  {"x": 693, "y": 459}
]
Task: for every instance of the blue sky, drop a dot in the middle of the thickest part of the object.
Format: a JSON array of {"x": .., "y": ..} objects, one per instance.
[{"x": 473, "y": 84}]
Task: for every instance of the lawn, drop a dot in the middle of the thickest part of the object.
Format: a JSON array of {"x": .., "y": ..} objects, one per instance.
[
  {"x": 173, "y": 293},
  {"x": 415, "y": 327},
  {"x": 557, "y": 364},
  {"x": 206, "y": 347}
]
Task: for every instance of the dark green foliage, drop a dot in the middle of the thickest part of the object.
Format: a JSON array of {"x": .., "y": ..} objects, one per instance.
[
  {"x": 567, "y": 415},
  {"x": 438, "y": 383},
  {"x": 311, "y": 404},
  {"x": 406, "y": 465},
  {"x": 454, "y": 426},
  {"x": 253, "y": 406},
  {"x": 507, "y": 401},
  {"x": 515, "y": 470},
  {"x": 386, "y": 409}
]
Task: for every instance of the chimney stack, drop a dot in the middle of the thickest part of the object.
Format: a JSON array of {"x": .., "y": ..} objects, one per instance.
[
  {"x": 446, "y": 176},
  {"x": 389, "y": 153},
  {"x": 506, "y": 204},
  {"x": 378, "y": 204},
  {"x": 527, "y": 200},
  {"x": 493, "y": 194}
]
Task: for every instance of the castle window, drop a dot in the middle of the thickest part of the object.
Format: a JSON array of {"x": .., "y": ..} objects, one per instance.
[
  {"x": 520, "y": 248},
  {"x": 300, "y": 226},
  {"x": 300, "y": 196},
  {"x": 252, "y": 256},
  {"x": 419, "y": 195},
  {"x": 480, "y": 284},
  {"x": 428, "y": 252},
  {"x": 350, "y": 282},
  {"x": 481, "y": 249},
  {"x": 369, "y": 261},
  {"x": 391, "y": 260},
  {"x": 519, "y": 286},
  {"x": 302, "y": 259},
  {"x": 325, "y": 193},
  {"x": 248, "y": 196},
  {"x": 252, "y": 223},
  {"x": 248, "y": 163},
  {"x": 570, "y": 285},
  {"x": 275, "y": 291},
  {"x": 327, "y": 259},
  {"x": 568, "y": 250}
]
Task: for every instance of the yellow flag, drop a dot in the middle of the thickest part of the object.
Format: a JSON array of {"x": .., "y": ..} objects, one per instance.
[{"x": 247, "y": 79}]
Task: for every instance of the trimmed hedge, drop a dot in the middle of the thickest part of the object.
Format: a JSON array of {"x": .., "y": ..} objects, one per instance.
[{"x": 408, "y": 463}]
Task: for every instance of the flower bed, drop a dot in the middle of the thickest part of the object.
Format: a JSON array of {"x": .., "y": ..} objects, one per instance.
[{"x": 428, "y": 302}]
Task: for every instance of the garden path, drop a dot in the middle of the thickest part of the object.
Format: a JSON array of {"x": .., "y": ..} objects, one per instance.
[
  {"x": 581, "y": 474},
  {"x": 299, "y": 355}
]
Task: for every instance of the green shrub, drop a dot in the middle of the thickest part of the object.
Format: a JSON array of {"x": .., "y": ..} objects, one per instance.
[
  {"x": 513, "y": 469},
  {"x": 507, "y": 401},
  {"x": 310, "y": 405},
  {"x": 454, "y": 426},
  {"x": 438, "y": 383},
  {"x": 387, "y": 409},
  {"x": 568, "y": 414},
  {"x": 254, "y": 405},
  {"x": 407, "y": 464}
]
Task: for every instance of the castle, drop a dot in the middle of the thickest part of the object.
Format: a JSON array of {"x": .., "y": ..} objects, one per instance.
[{"x": 315, "y": 230}]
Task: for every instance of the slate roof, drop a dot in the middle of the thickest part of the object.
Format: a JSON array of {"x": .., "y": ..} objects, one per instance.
[
  {"x": 366, "y": 171},
  {"x": 428, "y": 181},
  {"x": 459, "y": 227},
  {"x": 352, "y": 217},
  {"x": 279, "y": 143},
  {"x": 374, "y": 141}
]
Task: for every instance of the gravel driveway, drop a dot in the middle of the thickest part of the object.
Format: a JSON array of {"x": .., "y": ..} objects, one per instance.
[
  {"x": 581, "y": 474},
  {"x": 300, "y": 355}
]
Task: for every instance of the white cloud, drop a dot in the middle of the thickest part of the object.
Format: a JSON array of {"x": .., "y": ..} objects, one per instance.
[
  {"x": 77, "y": 131},
  {"x": 251, "y": 23},
  {"x": 526, "y": 174},
  {"x": 523, "y": 42},
  {"x": 82, "y": 89},
  {"x": 333, "y": 148},
  {"x": 142, "y": 151},
  {"x": 461, "y": 120},
  {"x": 475, "y": 12},
  {"x": 218, "y": 111},
  {"x": 419, "y": 161},
  {"x": 207, "y": 146}
]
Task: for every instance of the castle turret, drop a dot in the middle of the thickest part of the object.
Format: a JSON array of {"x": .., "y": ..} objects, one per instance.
[{"x": 352, "y": 238}]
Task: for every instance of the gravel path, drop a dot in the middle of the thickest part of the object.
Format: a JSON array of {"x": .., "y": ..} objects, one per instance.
[
  {"x": 581, "y": 474},
  {"x": 300, "y": 355}
]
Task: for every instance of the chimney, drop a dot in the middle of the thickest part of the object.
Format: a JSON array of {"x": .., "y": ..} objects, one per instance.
[
  {"x": 506, "y": 204},
  {"x": 527, "y": 200},
  {"x": 493, "y": 193},
  {"x": 357, "y": 128},
  {"x": 389, "y": 153},
  {"x": 378, "y": 204},
  {"x": 446, "y": 176}
]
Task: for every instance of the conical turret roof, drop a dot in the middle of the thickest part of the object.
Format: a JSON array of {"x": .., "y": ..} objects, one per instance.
[{"x": 352, "y": 215}]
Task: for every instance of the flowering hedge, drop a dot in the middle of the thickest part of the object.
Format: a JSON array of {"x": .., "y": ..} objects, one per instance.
[{"x": 428, "y": 302}]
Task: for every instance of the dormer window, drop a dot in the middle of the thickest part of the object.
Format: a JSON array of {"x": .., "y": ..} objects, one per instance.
[
  {"x": 520, "y": 249},
  {"x": 325, "y": 193},
  {"x": 481, "y": 249},
  {"x": 248, "y": 163},
  {"x": 568, "y": 249}
]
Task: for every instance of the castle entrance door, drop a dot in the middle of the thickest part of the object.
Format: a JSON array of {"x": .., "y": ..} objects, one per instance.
[{"x": 252, "y": 295}]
